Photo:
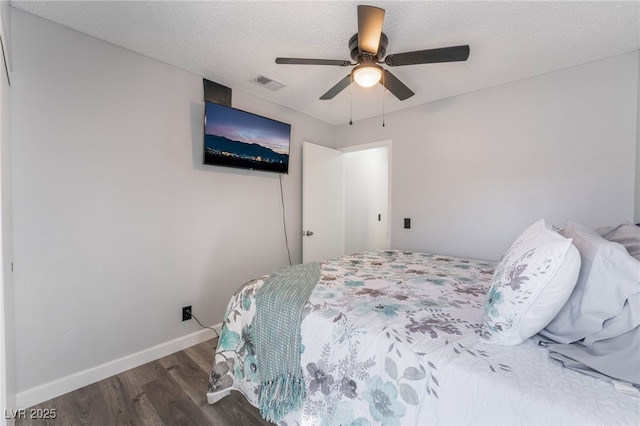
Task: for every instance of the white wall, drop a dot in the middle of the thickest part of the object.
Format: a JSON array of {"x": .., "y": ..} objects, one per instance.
[
  {"x": 117, "y": 224},
  {"x": 6, "y": 298},
  {"x": 473, "y": 171},
  {"x": 7, "y": 328},
  {"x": 366, "y": 196},
  {"x": 637, "y": 208}
]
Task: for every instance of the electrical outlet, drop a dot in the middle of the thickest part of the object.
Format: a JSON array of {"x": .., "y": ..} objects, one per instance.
[{"x": 186, "y": 313}]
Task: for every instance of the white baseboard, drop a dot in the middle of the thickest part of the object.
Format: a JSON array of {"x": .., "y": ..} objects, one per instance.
[{"x": 80, "y": 379}]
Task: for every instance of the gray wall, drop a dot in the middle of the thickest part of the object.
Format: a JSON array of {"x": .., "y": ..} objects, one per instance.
[
  {"x": 117, "y": 224},
  {"x": 473, "y": 171}
]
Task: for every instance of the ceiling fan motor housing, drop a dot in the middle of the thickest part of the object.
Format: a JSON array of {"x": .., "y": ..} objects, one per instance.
[{"x": 356, "y": 54}]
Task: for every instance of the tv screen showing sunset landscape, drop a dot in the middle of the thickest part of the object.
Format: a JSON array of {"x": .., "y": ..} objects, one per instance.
[{"x": 236, "y": 138}]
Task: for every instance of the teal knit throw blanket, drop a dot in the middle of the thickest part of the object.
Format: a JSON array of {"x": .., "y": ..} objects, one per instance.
[{"x": 279, "y": 304}]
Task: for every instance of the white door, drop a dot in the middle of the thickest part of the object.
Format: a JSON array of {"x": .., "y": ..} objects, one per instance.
[{"x": 323, "y": 209}]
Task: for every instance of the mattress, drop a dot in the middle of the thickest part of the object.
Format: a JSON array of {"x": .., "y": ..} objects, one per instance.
[{"x": 392, "y": 337}]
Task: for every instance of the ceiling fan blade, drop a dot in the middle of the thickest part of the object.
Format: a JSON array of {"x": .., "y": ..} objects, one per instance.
[
  {"x": 396, "y": 87},
  {"x": 429, "y": 56},
  {"x": 370, "y": 20},
  {"x": 342, "y": 84},
  {"x": 303, "y": 61}
]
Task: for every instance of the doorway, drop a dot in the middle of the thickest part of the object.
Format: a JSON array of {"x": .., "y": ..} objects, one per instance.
[
  {"x": 345, "y": 199},
  {"x": 366, "y": 183}
]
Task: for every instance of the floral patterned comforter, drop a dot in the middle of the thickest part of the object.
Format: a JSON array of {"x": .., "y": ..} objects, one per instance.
[{"x": 391, "y": 337}]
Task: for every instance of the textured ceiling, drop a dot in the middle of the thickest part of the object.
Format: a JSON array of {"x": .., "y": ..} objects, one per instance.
[{"x": 232, "y": 42}]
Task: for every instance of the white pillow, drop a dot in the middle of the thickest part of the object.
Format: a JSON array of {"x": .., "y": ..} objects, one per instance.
[
  {"x": 530, "y": 285},
  {"x": 608, "y": 277}
]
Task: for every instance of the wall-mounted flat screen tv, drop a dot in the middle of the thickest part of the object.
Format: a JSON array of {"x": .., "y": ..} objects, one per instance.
[{"x": 236, "y": 138}]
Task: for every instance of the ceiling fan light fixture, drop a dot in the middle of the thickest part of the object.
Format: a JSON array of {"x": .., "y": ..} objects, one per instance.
[{"x": 367, "y": 75}]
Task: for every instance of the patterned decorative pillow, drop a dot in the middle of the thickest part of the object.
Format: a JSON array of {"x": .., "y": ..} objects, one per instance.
[{"x": 530, "y": 285}]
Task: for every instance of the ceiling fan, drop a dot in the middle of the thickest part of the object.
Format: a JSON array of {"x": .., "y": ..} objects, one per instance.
[{"x": 368, "y": 47}]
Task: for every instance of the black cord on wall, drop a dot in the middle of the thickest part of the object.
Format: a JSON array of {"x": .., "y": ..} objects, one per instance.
[
  {"x": 203, "y": 326},
  {"x": 284, "y": 221}
]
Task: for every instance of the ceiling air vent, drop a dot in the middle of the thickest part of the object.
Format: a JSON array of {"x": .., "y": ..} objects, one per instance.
[{"x": 268, "y": 83}]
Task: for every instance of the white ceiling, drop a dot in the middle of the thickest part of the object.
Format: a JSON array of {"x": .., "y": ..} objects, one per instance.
[{"x": 232, "y": 42}]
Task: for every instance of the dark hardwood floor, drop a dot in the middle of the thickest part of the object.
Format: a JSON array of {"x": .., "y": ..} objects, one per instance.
[{"x": 169, "y": 391}]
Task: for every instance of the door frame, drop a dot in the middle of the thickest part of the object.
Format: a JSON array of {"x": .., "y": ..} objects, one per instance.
[{"x": 388, "y": 143}]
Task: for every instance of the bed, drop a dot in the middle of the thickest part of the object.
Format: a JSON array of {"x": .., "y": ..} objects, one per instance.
[{"x": 395, "y": 338}]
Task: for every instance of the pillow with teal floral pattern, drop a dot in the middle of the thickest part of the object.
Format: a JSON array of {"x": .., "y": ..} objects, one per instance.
[{"x": 530, "y": 285}]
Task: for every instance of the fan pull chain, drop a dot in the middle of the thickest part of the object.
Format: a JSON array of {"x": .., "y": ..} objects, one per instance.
[
  {"x": 350, "y": 106},
  {"x": 383, "y": 90}
]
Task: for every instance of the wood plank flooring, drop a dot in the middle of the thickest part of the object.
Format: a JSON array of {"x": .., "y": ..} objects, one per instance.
[{"x": 169, "y": 391}]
